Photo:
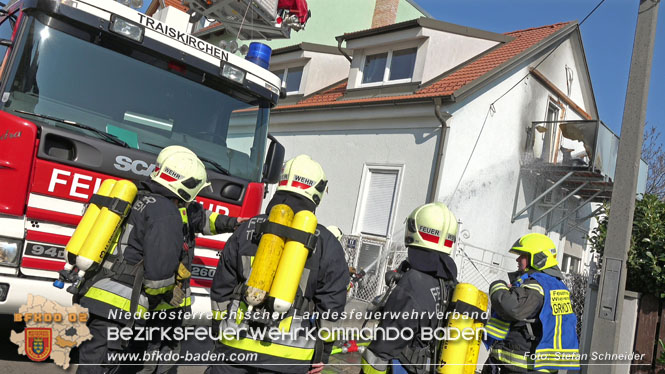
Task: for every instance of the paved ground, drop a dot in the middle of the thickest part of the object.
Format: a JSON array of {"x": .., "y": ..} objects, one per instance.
[{"x": 343, "y": 363}]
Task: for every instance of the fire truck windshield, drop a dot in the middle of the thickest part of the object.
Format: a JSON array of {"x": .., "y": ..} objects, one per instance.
[{"x": 136, "y": 96}]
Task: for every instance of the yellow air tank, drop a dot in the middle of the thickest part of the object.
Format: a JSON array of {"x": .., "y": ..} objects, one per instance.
[
  {"x": 292, "y": 263},
  {"x": 267, "y": 257},
  {"x": 85, "y": 225},
  {"x": 460, "y": 356},
  {"x": 95, "y": 246}
]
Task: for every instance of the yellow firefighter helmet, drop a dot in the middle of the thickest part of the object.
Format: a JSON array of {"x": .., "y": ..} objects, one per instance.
[{"x": 540, "y": 248}]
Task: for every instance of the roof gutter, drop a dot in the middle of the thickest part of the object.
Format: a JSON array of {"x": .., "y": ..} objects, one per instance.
[
  {"x": 443, "y": 118},
  {"x": 340, "y": 40}
]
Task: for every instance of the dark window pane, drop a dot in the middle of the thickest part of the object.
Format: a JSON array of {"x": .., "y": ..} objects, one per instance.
[
  {"x": 375, "y": 67},
  {"x": 139, "y": 102},
  {"x": 402, "y": 64},
  {"x": 6, "y": 29},
  {"x": 293, "y": 78}
]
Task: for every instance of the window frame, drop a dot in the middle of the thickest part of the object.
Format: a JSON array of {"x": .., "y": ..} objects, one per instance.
[
  {"x": 567, "y": 264},
  {"x": 368, "y": 169},
  {"x": 286, "y": 74},
  {"x": 551, "y": 138},
  {"x": 386, "y": 71}
]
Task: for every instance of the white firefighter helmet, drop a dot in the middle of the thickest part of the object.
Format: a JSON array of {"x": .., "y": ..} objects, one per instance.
[
  {"x": 431, "y": 226},
  {"x": 305, "y": 177},
  {"x": 171, "y": 150},
  {"x": 181, "y": 172}
]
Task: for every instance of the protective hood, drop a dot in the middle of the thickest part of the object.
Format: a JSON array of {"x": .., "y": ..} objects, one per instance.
[
  {"x": 295, "y": 202},
  {"x": 437, "y": 264},
  {"x": 157, "y": 188},
  {"x": 555, "y": 272}
]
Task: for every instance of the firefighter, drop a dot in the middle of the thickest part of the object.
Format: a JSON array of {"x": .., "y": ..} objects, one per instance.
[
  {"x": 424, "y": 285},
  {"x": 198, "y": 221},
  {"x": 142, "y": 272},
  {"x": 322, "y": 290},
  {"x": 533, "y": 326}
]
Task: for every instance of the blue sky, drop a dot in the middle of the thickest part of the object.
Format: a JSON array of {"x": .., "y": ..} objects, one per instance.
[{"x": 607, "y": 36}]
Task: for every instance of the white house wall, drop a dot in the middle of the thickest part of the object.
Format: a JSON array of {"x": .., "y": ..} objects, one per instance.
[
  {"x": 345, "y": 140},
  {"x": 554, "y": 69},
  {"x": 445, "y": 51},
  {"x": 484, "y": 199},
  {"x": 323, "y": 70}
]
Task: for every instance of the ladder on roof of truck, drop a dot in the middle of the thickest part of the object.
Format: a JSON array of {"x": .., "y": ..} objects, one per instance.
[{"x": 248, "y": 19}]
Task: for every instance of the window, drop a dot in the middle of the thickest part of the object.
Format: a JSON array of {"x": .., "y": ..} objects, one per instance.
[
  {"x": 291, "y": 77},
  {"x": 549, "y": 137},
  {"x": 391, "y": 66},
  {"x": 377, "y": 200},
  {"x": 6, "y": 29},
  {"x": 140, "y": 101},
  {"x": 570, "y": 264}
]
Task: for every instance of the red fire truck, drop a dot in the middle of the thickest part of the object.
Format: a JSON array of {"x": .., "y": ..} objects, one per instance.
[{"x": 92, "y": 89}]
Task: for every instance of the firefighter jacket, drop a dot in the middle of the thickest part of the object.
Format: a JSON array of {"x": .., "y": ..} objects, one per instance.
[
  {"x": 140, "y": 270},
  {"x": 533, "y": 326},
  {"x": 418, "y": 295},
  {"x": 322, "y": 289},
  {"x": 199, "y": 221}
]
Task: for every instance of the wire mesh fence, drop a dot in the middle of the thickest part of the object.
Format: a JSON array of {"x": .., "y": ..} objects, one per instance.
[
  {"x": 475, "y": 269},
  {"x": 373, "y": 256}
]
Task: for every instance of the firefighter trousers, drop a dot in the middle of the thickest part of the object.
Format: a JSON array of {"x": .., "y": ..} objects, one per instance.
[
  {"x": 158, "y": 351},
  {"x": 96, "y": 354}
]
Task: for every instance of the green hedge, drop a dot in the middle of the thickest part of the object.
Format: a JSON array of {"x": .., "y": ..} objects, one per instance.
[{"x": 646, "y": 257}]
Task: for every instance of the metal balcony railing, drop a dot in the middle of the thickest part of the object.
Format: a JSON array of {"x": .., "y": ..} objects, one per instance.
[
  {"x": 569, "y": 159},
  {"x": 580, "y": 145}
]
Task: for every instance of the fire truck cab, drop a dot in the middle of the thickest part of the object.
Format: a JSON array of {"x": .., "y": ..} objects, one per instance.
[{"x": 92, "y": 89}]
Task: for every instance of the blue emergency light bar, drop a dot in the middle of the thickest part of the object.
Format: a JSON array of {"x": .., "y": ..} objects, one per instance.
[{"x": 259, "y": 54}]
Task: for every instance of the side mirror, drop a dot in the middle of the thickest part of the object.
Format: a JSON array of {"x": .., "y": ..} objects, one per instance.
[
  {"x": 274, "y": 160},
  {"x": 6, "y": 43}
]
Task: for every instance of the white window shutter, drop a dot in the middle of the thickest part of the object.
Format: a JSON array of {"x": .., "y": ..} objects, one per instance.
[{"x": 379, "y": 198}]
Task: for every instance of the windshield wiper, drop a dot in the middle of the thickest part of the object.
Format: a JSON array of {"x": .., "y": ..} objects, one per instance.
[
  {"x": 217, "y": 166},
  {"x": 104, "y": 135}
]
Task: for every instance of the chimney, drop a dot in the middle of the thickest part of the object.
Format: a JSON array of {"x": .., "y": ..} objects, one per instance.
[{"x": 385, "y": 13}]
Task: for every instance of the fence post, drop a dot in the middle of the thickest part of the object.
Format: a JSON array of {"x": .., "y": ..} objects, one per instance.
[{"x": 645, "y": 337}]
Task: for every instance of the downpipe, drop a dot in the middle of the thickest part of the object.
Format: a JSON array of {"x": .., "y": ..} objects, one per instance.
[{"x": 443, "y": 118}]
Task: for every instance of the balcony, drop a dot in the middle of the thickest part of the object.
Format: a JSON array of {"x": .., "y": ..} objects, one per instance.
[{"x": 570, "y": 159}]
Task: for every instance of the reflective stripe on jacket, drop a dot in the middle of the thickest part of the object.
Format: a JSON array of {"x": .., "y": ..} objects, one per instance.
[{"x": 298, "y": 348}]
